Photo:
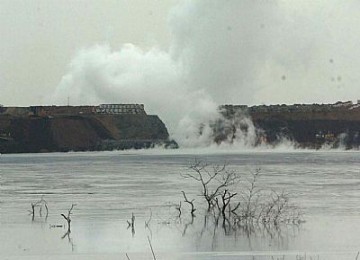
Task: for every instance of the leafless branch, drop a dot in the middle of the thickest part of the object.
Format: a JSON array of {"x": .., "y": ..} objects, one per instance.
[
  {"x": 178, "y": 208},
  {"x": 147, "y": 222},
  {"x": 42, "y": 203},
  {"x": 191, "y": 202},
  {"x": 213, "y": 181},
  {"x": 240, "y": 205},
  {"x": 131, "y": 224},
  {"x": 68, "y": 218}
]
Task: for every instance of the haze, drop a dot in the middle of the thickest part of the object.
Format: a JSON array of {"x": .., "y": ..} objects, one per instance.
[{"x": 180, "y": 58}]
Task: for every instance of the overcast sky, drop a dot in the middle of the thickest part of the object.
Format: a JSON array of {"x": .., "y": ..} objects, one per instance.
[
  {"x": 40, "y": 37},
  {"x": 190, "y": 53}
]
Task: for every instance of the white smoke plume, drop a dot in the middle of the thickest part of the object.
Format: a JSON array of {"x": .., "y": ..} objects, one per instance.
[{"x": 226, "y": 51}]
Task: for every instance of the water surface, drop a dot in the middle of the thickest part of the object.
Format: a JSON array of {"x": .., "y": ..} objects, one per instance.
[{"x": 107, "y": 187}]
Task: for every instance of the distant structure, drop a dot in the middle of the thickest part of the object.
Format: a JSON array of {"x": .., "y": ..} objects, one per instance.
[
  {"x": 120, "y": 109},
  {"x": 296, "y": 108},
  {"x": 42, "y": 111}
]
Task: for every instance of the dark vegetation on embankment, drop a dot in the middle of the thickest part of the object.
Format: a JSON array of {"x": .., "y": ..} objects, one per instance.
[{"x": 61, "y": 133}]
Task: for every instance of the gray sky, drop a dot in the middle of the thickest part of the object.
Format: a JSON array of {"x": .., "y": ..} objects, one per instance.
[
  {"x": 40, "y": 37},
  {"x": 180, "y": 58}
]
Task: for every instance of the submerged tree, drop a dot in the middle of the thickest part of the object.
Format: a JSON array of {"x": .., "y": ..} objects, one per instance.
[
  {"x": 68, "y": 218},
  {"x": 41, "y": 204},
  {"x": 214, "y": 179},
  {"x": 241, "y": 203}
]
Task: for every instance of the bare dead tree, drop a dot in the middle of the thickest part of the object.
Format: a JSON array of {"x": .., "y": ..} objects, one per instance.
[
  {"x": 191, "y": 202},
  {"x": 250, "y": 197},
  {"x": 281, "y": 206},
  {"x": 213, "y": 181},
  {"x": 131, "y": 224},
  {"x": 282, "y": 210},
  {"x": 146, "y": 222},
  {"x": 225, "y": 200},
  {"x": 178, "y": 208},
  {"x": 42, "y": 203},
  {"x": 68, "y": 218},
  {"x": 243, "y": 207},
  {"x": 222, "y": 207}
]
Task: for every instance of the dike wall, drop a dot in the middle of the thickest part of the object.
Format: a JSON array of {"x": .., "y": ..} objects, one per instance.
[{"x": 92, "y": 132}]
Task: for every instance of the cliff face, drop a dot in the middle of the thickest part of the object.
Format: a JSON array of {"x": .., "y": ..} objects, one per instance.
[
  {"x": 80, "y": 132},
  {"x": 126, "y": 126},
  {"x": 309, "y": 126},
  {"x": 312, "y": 133}
]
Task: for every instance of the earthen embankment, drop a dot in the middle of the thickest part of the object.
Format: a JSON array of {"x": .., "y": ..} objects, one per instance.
[{"x": 85, "y": 128}]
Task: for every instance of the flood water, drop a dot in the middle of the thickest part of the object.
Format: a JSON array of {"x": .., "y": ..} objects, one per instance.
[{"x": 107, "y": 187}]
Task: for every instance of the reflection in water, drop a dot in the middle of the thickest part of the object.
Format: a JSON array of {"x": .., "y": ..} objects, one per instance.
[
  {"x": 211, "y": 229},
  {"x": 147, "y": 224},
  {"x": 67, "y": 234},
  {"x": 106, "y": 188},
  {"x": 237, "y": 208},
  {"x": 189, "y": 223},
  {"x": 68, "y": 217}
]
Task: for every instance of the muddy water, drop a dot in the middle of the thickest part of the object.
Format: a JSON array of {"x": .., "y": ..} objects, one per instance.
[{"x": 108, "y": 187}]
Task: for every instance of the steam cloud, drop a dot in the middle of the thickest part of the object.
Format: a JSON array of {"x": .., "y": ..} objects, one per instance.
[{"x": 241, "y": 52}]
